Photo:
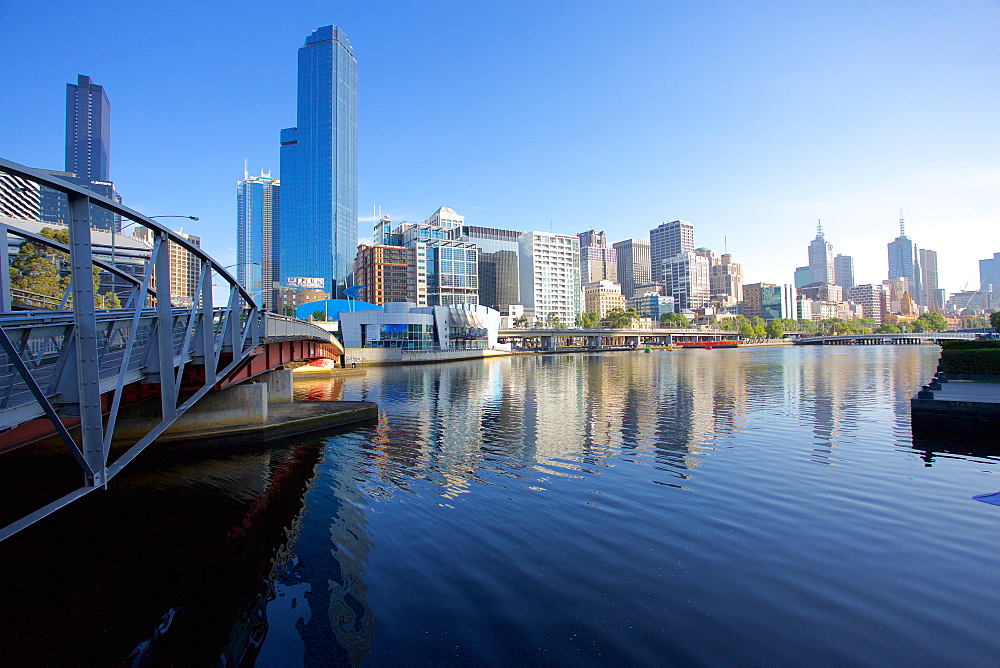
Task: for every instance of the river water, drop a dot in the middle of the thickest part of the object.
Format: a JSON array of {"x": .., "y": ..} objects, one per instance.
[{"x": 698, "y": 507}]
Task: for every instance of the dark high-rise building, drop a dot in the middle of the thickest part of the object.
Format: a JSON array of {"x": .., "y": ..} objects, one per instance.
[
  {"x": 319, "y": 165},
  {"x": 498, "y": 279},
  {"x": 88, "y": 130}
]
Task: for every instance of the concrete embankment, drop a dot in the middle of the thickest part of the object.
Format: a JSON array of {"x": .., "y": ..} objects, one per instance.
[
  {"x": 965, "y": 393},
  {"x": 283, "y": 421}
]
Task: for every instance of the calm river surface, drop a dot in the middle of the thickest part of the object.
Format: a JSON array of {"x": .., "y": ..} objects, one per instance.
[{"x": 699, "y": 507}]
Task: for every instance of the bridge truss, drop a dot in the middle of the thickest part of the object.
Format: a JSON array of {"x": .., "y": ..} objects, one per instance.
[{"x": 71, "y": 369}]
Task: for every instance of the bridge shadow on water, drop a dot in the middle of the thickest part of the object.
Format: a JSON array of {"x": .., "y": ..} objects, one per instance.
[{"x": 197, "y": 542}]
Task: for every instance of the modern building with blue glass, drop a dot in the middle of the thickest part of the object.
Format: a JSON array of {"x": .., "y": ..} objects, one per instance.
[
  {"x": 258, "y": 227},
  {"x": 319, "y": 165},
  {"x": 88, "y": 130}
]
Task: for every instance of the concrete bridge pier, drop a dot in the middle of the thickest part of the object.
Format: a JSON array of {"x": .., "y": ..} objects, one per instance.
[
  {"x": 548, "y": 343},
  {"x": 244, "y": 404},
  {"x": 594, "y": 341},
  {"x": 632, "y": 341}
]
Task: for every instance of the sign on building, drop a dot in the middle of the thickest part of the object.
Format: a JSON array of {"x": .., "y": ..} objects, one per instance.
[{"x": 304, "y": 282}]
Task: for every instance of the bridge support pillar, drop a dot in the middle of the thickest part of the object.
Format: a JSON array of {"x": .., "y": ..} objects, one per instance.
[
  {"x": 279, "y": 385},
  {"x": 632, "y": 341},
  {"x": 236, "y": 405},
  {"x": 548, "y": 343},
  {"x": 594, "y": 341}
]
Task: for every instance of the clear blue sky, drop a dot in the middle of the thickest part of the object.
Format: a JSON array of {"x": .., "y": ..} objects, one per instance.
[{"x": 750, "y": 119}]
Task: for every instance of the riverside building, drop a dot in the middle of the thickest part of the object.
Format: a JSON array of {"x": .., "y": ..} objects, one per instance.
[
  {"x": 549, "y": 273},
  {"x": 389, "y": 273},
  {"x": 319, "y": 164}
]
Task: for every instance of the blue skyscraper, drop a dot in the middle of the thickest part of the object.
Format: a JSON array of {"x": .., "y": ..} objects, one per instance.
[
  {"x": 319, "y": 165},
  {"x": 258, "y": 219},
  {"x": 88, "y": 130},
  {"x": 88, "y": 153}
]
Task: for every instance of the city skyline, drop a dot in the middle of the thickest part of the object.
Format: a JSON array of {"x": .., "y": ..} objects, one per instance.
[{"x": 742, "y": 125}]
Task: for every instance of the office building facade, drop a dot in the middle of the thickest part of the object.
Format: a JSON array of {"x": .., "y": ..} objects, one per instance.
[
  {"x": 258, "y": 229},
  {"x": 601, "y": 297},
  {"x": 904, "y": 262},
  {"x": 843, "y": 271},
  {"x": 686, "y": 279},
  {"x": 387, "y": 272},
  {"x": 597, "y": 261},
  {"x": 319, "y": 164},
  {"x": 872, "y": 300},
  {"x": 929, "y": 291},
  {"x": 821, "y": 268},
  {"x": 19, "y": 198},
  {"x": 633, "y": 265},
  {"x": 88, "y": 130},
  {"x": 667, "y": 240}
]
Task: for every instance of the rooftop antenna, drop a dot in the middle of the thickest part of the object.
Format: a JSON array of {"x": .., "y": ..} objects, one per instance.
[
  {"x": 246, "y": 175},
  {"x": 902, "y": 225},
  {"x": 819, "y": 228},
  {"x": 725, "y": 244}
]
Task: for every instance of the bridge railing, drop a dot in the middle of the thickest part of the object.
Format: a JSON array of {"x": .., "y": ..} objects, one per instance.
[{"x": 76, "y": 361}]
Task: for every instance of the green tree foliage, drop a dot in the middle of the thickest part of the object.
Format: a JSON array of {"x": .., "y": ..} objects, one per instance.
[
  {"x": 45, "y": 271},
  {"x": 747, "y": 330},
  {"x": 289, "y": 311},
  {"x": 886, "y": 328},
  {"x": 589, "y": 320},
  {"x": 521, "y": 321},
  {"x": 995, "y": 320},
  {"x": 674, "y": 321},
  {"x": 775, "y": 329},
  {"x": 759, "y": 332},
  {"x": 619, "y": 318},
  {"x": 933, "y": 322},
  {"x": 318, "y": 314}
]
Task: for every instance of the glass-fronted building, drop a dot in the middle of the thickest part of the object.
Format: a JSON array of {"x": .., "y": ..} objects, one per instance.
[
  {"x": 88, "y": 130},
  {"x": 258, "y": 224},
  {"x": 319, "y": 164}
]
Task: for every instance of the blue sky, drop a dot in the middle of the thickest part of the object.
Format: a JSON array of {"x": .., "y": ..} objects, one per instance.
[{"x": 750, "y": 119}]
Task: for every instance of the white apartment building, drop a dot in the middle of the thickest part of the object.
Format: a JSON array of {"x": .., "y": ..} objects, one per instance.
[{"x": 549, "y": 274}]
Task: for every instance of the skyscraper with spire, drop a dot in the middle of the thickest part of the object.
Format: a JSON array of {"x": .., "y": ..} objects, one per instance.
[
  {"x": 319, "y": 165},
  {"x": 904, "y": 261},
  {"x": 821, "y": 268}
]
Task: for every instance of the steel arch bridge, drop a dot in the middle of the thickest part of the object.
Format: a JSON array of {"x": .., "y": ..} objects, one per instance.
[{"x": 72, "y": 368}]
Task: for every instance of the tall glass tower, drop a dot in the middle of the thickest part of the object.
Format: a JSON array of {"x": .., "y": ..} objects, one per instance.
[
  {"x": 319, "y": 165},
  {"x": 904, "y": 261},
  {"x": 258, "y": 217},
  {"x": 88, "y": 130}
]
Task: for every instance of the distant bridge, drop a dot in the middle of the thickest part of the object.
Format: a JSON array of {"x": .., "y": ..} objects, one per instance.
[
  {"x": 73, "y": 366},
  {"x": 597, "y": 338},
  {"x": 884, "y": 339}
]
